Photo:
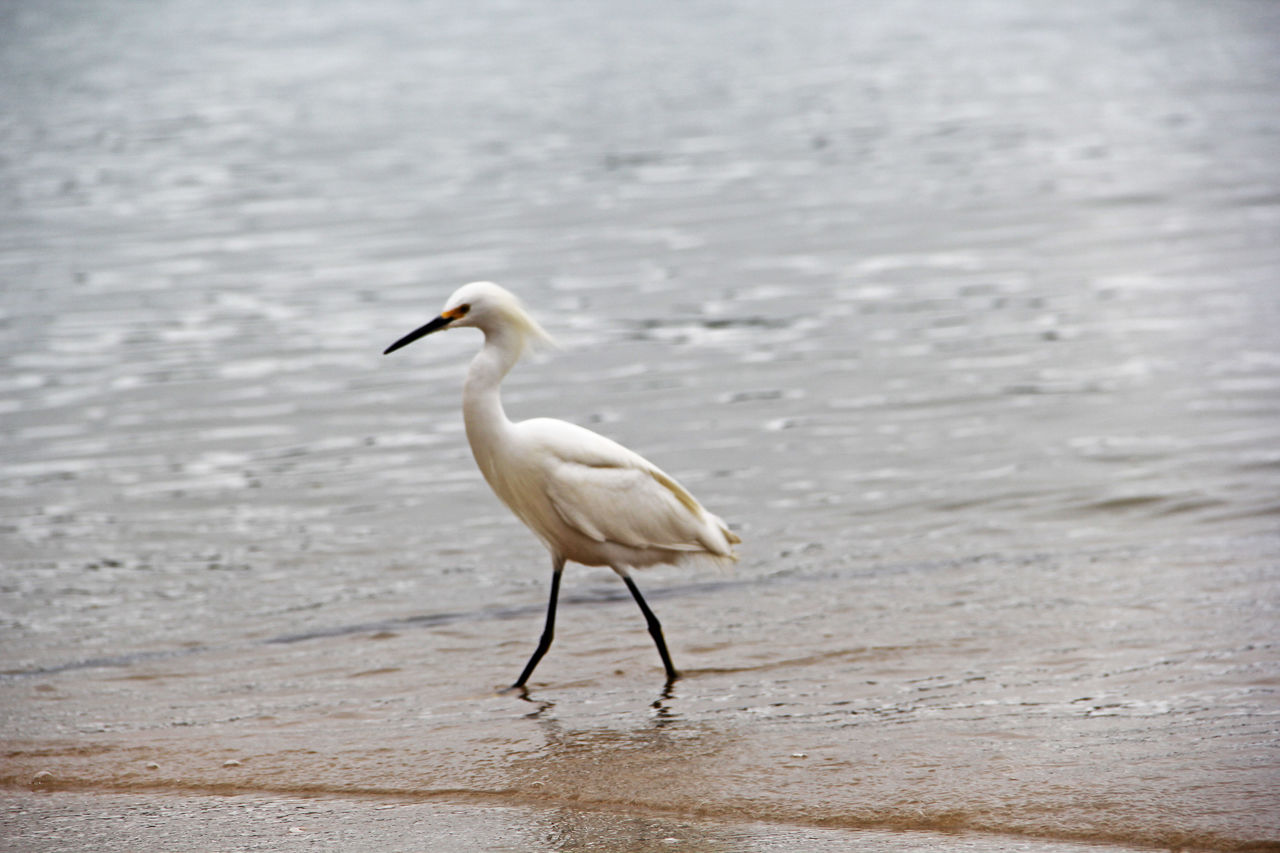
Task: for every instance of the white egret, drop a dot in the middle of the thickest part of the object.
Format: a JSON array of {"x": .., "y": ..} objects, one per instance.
[{"x": 588, "y": 499}]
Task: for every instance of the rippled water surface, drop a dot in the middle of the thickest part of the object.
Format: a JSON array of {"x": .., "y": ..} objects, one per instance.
[{"x": 963, "y": 315}]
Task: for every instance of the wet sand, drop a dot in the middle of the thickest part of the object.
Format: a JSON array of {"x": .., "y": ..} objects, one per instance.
[{"x": 963, "y": 317}]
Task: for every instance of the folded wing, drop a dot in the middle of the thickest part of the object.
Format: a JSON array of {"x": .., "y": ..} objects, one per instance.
[{"x": 610, "y": 494}]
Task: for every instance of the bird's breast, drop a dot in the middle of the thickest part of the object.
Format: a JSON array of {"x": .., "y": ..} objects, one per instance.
[{"x": 520, "y": 483}]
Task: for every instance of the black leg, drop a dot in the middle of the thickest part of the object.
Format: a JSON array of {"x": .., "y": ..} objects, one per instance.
[
  {"x": 548, "y": 630},
  {"x": 655, "y": 628}
]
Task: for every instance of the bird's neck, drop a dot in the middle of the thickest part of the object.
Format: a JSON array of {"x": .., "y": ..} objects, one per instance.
[{"x": 482, "y": 410}]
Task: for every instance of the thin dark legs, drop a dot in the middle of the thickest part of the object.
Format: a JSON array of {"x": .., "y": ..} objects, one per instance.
[
  {"x": 548, "y": 630},
  {"x": 655, "y": 628}
]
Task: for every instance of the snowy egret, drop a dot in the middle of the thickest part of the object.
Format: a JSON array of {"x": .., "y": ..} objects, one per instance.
[{"x": 587, "y": 498}]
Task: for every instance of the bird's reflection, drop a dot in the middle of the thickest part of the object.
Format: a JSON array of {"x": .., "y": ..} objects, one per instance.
[
  {"x": 594, "y": 781},
  {"x": 663, "y": 715},
  {"x": 541, "y": 706}
]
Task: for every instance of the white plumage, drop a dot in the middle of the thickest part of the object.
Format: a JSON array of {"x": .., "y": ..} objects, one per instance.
[{"x": 589, "y": 499}]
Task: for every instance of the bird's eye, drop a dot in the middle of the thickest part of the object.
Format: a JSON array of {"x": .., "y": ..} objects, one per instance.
[{"x": 463, "y": 309}]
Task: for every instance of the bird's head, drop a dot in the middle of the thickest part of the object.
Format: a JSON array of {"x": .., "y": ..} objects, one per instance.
[{"x": 485, "y": 306}]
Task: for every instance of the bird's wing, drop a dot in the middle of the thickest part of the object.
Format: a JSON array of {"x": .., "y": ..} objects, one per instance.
[
  {"x": 631, "y": 506},
  {"x": 611, "y": 494}
]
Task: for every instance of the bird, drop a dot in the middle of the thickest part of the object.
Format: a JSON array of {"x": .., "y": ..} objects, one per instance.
[{"x": 588, "y": 499}]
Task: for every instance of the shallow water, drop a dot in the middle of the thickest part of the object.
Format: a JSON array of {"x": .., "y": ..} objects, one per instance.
[{"x": 964, "y": 317}]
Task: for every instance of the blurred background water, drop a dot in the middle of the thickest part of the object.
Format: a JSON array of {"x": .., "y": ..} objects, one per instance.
[{"x": 963, "y": 315}]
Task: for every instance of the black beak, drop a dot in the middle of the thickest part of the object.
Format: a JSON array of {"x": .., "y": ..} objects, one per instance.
[{"x": 434, "y": 326}]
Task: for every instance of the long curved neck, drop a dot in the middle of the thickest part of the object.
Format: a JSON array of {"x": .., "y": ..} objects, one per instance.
[{"x": 482, "y": 411}]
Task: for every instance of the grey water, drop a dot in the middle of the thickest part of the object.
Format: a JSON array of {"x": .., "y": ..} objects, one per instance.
[{"x": 964, "y": 316}]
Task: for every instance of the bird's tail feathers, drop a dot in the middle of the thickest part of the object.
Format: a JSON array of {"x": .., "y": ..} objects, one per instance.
[{"x": 719, "y": 540}]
